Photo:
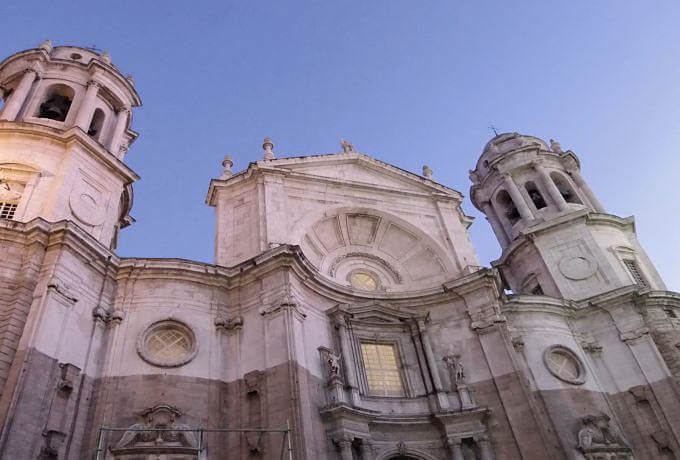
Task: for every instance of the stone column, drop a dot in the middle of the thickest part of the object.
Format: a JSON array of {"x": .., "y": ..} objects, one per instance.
[
  {"x": 485, "y": 450},
  {"x": 345, "y": 448},
  {"x": 554, "y": 192},
  {"x": 583, "y": 185},
  {"x": 496, "y": 226},
  {"x": 454, "y": 445},
  {"x": 87, "y": 106},
  {"x": 517, "y": 198},
  {"x": 119, "y": 129},
  {"x": 346, "y": 352},
  {"x": 18, "y": 97},
  {"x": 432, "y": 364}
]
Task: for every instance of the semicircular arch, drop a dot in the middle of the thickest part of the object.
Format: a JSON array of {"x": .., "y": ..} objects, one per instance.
[{"x": 344, "y": 239}]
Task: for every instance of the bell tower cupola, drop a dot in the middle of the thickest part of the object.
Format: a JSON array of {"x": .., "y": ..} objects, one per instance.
[
  {"x": 556, "y": 236},
  {"x": 65, "y": 128}
]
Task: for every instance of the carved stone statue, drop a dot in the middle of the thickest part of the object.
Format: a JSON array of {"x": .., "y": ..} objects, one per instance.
[
  {"x": 597, "y": 435},
  {"x": 333, "y": 361},
  {"x": 346, "y": 146},
  {"x": 456, "y": 369}
]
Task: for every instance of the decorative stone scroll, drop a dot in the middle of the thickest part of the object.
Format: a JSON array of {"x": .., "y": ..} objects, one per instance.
[{"x": 232, "y": 324}]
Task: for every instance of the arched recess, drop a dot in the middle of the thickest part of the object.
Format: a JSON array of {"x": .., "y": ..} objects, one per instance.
[
  {"x": 565, "y": 188},
  {"x": 97, "y": 124},
  {"x": 344, "y": 240},
  {"x": 55, "y": 103}
]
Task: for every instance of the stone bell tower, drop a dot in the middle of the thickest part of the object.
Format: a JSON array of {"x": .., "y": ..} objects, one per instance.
[
  {"x": 556, "y": 237},
  {"x": 64, "y": 132}
]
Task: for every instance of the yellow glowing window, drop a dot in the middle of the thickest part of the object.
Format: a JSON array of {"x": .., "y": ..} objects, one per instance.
[
  {"x": 382, "y": 369},
  {"x": 364, "y": 281}
]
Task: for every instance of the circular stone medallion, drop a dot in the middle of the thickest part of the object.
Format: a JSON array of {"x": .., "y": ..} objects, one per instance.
[
  {"x": 577, "y": 267},
  {"x": 86, "y": 208}
]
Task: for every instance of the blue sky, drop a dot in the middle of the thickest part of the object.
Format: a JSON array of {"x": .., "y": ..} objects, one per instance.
[{"x": 408, "y": 82}]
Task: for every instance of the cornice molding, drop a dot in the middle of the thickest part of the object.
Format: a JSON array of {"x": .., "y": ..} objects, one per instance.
[{"x": 70, "y": 136}]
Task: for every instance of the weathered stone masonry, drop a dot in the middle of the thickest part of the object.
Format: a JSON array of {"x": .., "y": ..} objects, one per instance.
[{"x": 346, "y": 302}]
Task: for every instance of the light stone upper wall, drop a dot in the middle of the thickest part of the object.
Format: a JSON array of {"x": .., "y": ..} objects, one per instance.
[
  {"x": 345, "y": 207},
  {"x": 61, "y": 180}
]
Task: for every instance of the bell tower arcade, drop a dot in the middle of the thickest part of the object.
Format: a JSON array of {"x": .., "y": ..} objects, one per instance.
[
  {"x": 64, "y": 132},
  {"x": 556, "y": 237}
]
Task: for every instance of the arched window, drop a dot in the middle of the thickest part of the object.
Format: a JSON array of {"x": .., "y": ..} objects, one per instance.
[
  {"x": 56, "y": 103},
  {"x": 565, "y": 189},
  {"x": 535, "y": 195},
  {"x": 97, "y": 124},
  {"x": 508, "y": 207}
]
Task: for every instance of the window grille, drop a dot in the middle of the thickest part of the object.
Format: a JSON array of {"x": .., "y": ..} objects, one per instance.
[
  {"x": 634, "y": 271},
  {"x": 7, "y": 210},
  {"x": 382, "y": 369}
]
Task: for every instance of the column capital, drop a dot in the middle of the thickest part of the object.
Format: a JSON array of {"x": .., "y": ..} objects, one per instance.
[
  {"x": 122, "y": 110},
  {"x": 37, "y": 68},
  {"x": 94, "y": 83}
]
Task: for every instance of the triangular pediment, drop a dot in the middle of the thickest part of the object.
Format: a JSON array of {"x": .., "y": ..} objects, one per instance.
[{"x": 356, "y": 168}]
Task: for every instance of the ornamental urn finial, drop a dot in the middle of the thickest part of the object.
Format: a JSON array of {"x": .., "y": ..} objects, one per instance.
[
  {"x": 268, "y": 147},
  {"x": 227, "y": 163}
]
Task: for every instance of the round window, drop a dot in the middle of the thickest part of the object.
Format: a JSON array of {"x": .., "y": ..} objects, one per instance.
[
  {"x": 363, "y": 280},
  {"x": 167, "y": 344},
  {"x": 564, "y": 364}
]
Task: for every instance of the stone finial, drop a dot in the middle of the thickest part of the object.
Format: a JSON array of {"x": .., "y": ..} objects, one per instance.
[
  {"x": 555, "y": 146},
  {"x": 347, "y": 146},
  {"x": 227, "y": 163},
  {"x": 46, "y": 45},
  {"x": 427, "y": 172},
  {"x": 130, "y": 79},
  {"x": 105, "y": 57},
  {"x": 268, "y": 147}
]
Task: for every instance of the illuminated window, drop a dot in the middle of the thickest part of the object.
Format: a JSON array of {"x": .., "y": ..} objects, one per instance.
[
  {"x": 382, "y": 369},
  {"x": 363, "y": 280}
]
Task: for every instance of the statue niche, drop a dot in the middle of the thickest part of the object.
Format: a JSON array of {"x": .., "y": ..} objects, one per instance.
[{"x": 165, "y": 437}]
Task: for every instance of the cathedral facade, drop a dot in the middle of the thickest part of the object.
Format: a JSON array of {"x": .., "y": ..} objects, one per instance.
[{"x": 346, "y": 315}]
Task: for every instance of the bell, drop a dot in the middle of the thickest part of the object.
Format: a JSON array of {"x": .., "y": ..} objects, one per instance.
[{"x": 55, "y": 108}]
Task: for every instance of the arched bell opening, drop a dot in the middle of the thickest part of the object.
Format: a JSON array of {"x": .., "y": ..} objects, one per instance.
[
  {"x": 56, "y": 103},
  {"x": 535, "y": 195},
  {"x": 507, "y": 206},
  {"x": 565, "y": 188},
  {"x": 97, "y": 124}
]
